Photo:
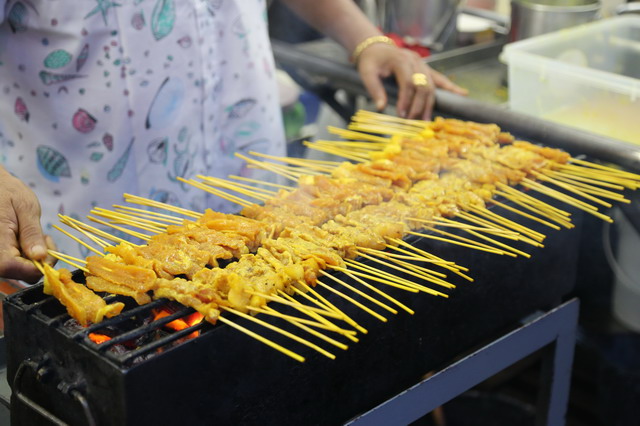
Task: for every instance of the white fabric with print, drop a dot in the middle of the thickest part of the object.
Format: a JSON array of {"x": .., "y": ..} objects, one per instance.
[{"x": 102, "y": 97}]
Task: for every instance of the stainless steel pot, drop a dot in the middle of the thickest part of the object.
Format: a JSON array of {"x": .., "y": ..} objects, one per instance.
[
  {"x": 534, "y": 17},
  {"x": 428, "y": 22}
]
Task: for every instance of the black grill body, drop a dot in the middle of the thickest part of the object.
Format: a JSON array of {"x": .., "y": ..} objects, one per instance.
[{"x": 225, "y": 377}]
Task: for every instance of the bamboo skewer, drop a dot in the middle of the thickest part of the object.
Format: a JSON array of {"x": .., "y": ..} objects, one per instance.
[
  {"x": 78, "y": 240},
  {"x": 456, "y": 269},
  {"x": 281, "y": 331},
  {"x": 232, "y": 198},
  {"x": 347, "y": 318},
  {"x": 378, "y": 291},
  {"x": 297, "y": 320},
  {"x": 148, "y": 214},
  {"x": 459, "y": 243},
  {"x": 262, "y": 339},
  {"x": 134, "y": 199},
  {"x": 350, "y": 134},
  {"x": 589, "y": 189},
  {"x": 73, "y": 261},
  {"x": 571, "y": 188},
  {"x": 328, "y": 325},
  {"x": 288, "y": 303},
  {"x": 360, "y": 292},
  {"x": 426, "y": 273},
  {"x": 81, "y": 226},
  {"x": 313, "y": 332},
  {"x": 301, "y": 162},
  {"x": 387, "y": 278},
  {"x": 353, "y": 301},
  {"x": 261, "y": 182},
  {"x": 140, "y": 235}
]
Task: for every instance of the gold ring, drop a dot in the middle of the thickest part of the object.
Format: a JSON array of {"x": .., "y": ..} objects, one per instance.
[{"x": 419, "y": 79}]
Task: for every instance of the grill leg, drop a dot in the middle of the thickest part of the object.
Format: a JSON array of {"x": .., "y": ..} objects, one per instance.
[{"x": 555, "y": 329}]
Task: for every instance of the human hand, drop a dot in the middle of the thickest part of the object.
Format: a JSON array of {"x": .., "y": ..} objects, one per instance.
[
  {"x": 21, "y": 237},
  {"x": 382, "y": 60}
]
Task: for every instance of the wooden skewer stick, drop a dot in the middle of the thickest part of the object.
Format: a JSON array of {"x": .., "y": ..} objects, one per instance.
[
  {"x": 264, "y": 340},
  {"x": 148, "y": 214},
  {"x": 380, "y": 292},
  {"x": 589, "y": 189},
  {"x": 268, "y": 167},
  {"x": 571, "y": 188},
  {"x": 78, "y": 240},
  {"x": 552, "y": 215},
  {"x": 252, "y": 188},
  {"x": 584, "y": 178},
  {"x": 140, "y": 235},
  {"x": 301, "y": 162},
  {"x": 236, "y": 188},
  {"x": 350, "y": 134},
  {"x": 630, "y": 175},
  {"x": 488, "y": 214},
  {"x": 388, "y": 255},
  {"x": 566, "y": 199},
  {"x": 353, "y": 301},
  {"x": 386, "y": 278},
  {"x": 294, "y": 319},
  {"x": 329, "y": 314},
  {"x": 387, "y": 117},
  {"x": 328, "y": 325},
  {"x": 379, "y": 276},
  {"x": 336, "y": 151},
  {"x": 281, "y": 331},
  {"x": 224, "y": 195},
  {"x": 448, "y": 223},
  {"x": 604, "y": 177},
  {"x": 498, "y": 243},
  {"x": 39, "y": 265},
  {"x": 456, "y": 269},
  {"x": 119, "y": 218},
  {"x": 459, "y": 243},
  {"x": 313, "y": 332},
  {"x": 76, "y": 224},
  {"x": 390, "y": 125},
  {"x": 68, "y": 259},
  {"x": 347, "y": 318},
  {"x": 134, "y": 199},
  {"x": 425, "y": 271},
  {"x": 360, "y": 292},
  {"x": 527, "y": 215},
  {"x": 261, "y": 182},
  {"x": 468, "y": 240},
  {"x": 528, "y": 199},
  {"x": 129, "y": 217}
]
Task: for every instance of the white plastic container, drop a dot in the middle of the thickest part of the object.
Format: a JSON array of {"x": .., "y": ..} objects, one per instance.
[{"x": 586, "y": 76}]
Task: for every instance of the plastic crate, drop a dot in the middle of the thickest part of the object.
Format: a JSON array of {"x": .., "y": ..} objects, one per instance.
[{"x": 586, "y": 76}]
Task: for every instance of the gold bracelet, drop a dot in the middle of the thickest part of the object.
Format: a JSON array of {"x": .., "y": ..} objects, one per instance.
[{"x": 368, "y": 42}]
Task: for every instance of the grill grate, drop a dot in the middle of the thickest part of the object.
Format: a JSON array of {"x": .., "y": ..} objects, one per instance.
[{"x": 134, "y": 326}]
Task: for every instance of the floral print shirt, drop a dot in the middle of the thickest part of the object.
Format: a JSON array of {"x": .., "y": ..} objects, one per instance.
[{"x": 103, "y": 97}]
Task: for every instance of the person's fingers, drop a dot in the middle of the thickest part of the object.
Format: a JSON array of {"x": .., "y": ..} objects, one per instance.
[
  {"x": 51, "y": 245},
  {"x": 13, "y": 266},
  {"x": 31, "y": 239},
  {"x": 443, "y": 82},
  {"x": 403, "y": 72},
  {"x": 371, "y": 75}
]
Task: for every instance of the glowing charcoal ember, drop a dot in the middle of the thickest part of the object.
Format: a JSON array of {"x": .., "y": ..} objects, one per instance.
[{"x": 98, "y": 338}]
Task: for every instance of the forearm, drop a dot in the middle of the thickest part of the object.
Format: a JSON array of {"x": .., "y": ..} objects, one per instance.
[{"x": 341, "y": 20}]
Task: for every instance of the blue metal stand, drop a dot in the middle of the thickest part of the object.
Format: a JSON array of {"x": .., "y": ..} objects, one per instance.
[{"x": 554, "y": 330}]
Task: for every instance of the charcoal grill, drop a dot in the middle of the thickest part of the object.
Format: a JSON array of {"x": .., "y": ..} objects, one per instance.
[{"x": 146, "y": 375}]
